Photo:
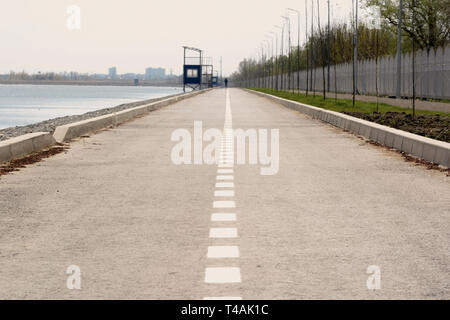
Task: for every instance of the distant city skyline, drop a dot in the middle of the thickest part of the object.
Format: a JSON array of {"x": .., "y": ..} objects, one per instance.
[
  {"x": 43, "y": 35},
  {"x": 112, "y": 72}
]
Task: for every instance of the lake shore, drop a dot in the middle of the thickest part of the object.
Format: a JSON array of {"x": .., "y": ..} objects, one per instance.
[
  {"x": 142, "y": 83},
  {"x": 51, "y": 124}
]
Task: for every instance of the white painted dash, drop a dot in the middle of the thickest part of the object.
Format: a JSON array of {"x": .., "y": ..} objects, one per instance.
[
  {"x": 224, "y": 193},
  {"x": 224, "y": 204},
  {"x": 223, "y": 217},
  {"x": 222, "y": 171},
  {"x": 223, "y": 252},
  {"x": 223, "y": 275},
  {"x": 229, "y": 177},
  {"x": 224, "y": 185},
  {"x": 223, "y": 233},
  {"x": 222, "y": 298}
]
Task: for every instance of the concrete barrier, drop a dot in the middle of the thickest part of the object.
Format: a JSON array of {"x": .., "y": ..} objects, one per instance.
[
  {"x": 425, "y": 148},
  {"x": 74, "y": 130},
  {"x": 23, "y": 145}
]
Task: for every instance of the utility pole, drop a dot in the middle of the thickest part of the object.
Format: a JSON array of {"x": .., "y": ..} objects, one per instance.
[
  {"x": 298, "y": 50},
  {"x": 356, "y": 47},
  {"x": 312, "y": 49},
  {"x": 354, "y": 61},
  {"x": 329, "y": 48},
  {"x": 221, "y": 69},
  {"x": 306, "y": 47},
  {"x": 414, "y": 58},
  {"x": 278, "y": 59},
  {"x": 281, "y": 56},
  {"x": 289, "y": 51},
  {"x": 273, "y": 60},
  {"x": 399, "y": 52},
  {"x": 269, "y": 61},
  {"x": 321, "y": 50},
  {"x": 263, "y": 58}
]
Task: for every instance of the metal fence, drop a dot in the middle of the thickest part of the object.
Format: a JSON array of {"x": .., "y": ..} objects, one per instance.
[{"x": 432, "y": 74}]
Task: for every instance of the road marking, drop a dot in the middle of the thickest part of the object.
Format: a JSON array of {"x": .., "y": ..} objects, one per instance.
[
  {"x": 224, "y": 204},
  {"x": 230, "y": 177},
  {"x": 225, "y": 171},
  {"x": 223, "y": 275},
  {"x": 226, "y": 165},
  {"x": 224, "y": 193},
  {"x": 223, "y": 233},
  {"x": 223, "y": 217},
  {"x": 224, "y": 185},
  {"x": 222, "y": 298},
  {"x": 223, "y": 252}
]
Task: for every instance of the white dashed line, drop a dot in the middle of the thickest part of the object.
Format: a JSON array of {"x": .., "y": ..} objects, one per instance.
[
  {"x": 230, "y": 177},
  {"x": 225, "y": 171},
  {"x": 223, "y": 275},
  {"x": 223, "y": 252},
  {"x": 223, "y": 233},
  {"x": 224, "y": 185},
  {"x": 222, "y": 298},
  {"x": 223, "y": 217},
  {"x": 224, "y": 193},
  {"x": 224, "y": 204},
  {"x": 226, "y": 165}
]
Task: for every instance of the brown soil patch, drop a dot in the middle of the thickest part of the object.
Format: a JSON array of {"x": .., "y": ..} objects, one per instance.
[
  {"x": 430, "y": 126},
  {"x": 16, "y": 164}
]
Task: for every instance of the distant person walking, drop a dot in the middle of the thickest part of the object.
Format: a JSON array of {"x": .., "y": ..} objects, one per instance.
[{"x": 226, "y": 83}]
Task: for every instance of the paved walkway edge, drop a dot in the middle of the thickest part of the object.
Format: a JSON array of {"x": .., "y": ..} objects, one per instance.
[
  {"x": 425, "y": 148},
  {"x": 74, "y": 130},
  {"x": 23, "y": 145}
]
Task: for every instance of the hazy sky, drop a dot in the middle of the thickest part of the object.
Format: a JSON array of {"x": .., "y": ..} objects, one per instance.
[{"x": 135, "y": 34}]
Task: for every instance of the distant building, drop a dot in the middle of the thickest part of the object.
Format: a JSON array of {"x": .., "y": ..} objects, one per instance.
[
  {"x": 112, "y": 72},
  {"x": 155, "y": 73}
]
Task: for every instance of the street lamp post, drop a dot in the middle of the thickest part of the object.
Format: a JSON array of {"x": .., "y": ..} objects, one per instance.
[
  {"x": 313, "y": 64},
  {"x": 276, "y": 60},
  {"x": 298, "y": 49},
  {"x": 356, "y": 46},
  {"x": 399, "y": 51},
  {"x": 272, "y": 64},
  {"x": 268, "y": 42},
  {"x": 289, "y": 51},
  {"x": 306, "y": 47},
  {"x": 281, "y": 56},
  {"x": 329, "y": 48}
]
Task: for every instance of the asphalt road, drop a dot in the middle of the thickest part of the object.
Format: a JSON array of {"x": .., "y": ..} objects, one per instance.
[{"x": 139, "y": 226}]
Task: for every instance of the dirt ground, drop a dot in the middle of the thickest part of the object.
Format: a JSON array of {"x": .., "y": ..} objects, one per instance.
[{"x": 431, "y": 126}]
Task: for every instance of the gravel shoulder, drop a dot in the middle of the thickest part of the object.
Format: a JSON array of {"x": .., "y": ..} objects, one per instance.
[{"x": 51, "y": 124}]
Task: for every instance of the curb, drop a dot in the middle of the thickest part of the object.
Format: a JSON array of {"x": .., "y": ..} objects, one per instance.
[
  {"x": 23, "y": 145},
  {"x": 425, "y": 148},
  {"x": 74, "y": 130}
]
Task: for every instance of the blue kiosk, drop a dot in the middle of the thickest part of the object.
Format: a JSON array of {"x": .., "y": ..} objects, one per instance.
[
  {"x": 192, "y": 70},
  {"x": 197, "y": 71}
]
